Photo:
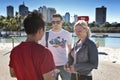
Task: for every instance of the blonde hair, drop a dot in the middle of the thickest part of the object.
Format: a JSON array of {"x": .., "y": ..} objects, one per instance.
[{"x": 84, "y": 24}]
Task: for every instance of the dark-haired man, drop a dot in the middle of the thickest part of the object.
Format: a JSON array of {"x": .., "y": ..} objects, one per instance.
[{"x": 30, "y": 60}]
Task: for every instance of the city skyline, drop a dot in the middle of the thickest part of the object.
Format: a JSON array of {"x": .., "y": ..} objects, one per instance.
[{"x": 74, "y": 7}]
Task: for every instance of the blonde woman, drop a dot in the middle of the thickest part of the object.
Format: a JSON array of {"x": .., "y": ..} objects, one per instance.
[{"x": 83, "y": 58}]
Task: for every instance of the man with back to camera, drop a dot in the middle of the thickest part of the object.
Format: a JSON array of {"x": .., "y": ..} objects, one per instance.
[{"x": 30, "y": 60}]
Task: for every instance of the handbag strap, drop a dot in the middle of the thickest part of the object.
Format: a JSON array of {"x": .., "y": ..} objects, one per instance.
[{"x": 46, "y": 38}]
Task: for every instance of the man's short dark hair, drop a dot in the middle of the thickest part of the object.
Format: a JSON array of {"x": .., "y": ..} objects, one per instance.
[
  {"x": 57, "y": 15},
  {"x": 33, "y": 21}
]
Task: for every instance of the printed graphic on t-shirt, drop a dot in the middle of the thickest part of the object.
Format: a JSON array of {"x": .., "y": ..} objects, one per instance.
[{"x": 58, "y": 41}]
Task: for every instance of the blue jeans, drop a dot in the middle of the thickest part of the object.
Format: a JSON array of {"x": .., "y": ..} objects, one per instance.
[{"x": 63, "y": 74}]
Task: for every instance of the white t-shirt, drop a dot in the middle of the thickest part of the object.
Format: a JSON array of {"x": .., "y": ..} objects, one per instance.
[{"x": 57, "y": 43}]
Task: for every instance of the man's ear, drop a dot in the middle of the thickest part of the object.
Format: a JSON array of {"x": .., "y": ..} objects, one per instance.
[{"x": 41, "y": 31}]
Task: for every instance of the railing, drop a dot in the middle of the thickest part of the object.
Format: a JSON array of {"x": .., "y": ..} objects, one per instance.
[{"x": 13, "y": 44}]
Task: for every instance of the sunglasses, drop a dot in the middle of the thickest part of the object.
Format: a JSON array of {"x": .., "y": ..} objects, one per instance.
[
  {"x": 78, "y": 30},
  {"x": 56, "y": 22}
]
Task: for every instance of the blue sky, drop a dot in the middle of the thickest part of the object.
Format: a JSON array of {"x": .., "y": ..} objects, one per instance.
[{"x": 79, "y": 7}]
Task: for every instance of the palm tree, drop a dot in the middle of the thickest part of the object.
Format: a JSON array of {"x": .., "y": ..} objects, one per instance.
[
  {"x": 19, "y": 20},
  {"x": 2, "y": 22}
]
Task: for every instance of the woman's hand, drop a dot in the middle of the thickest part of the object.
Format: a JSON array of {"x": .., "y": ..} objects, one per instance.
[
  {"x": 66, "y": 67},
  {"x": 72, "y": 69}
]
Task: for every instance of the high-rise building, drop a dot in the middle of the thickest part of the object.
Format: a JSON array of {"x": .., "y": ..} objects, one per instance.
[
  {"x": 75, "y": 18},
  {"x": 50, "y": 12},
  {"x": 10, "y": 10},
  {"x": 43, "y": 10},
  {"x": 101, "y": 15},
  {"x": 67, "y": 17},
  {"x": 23, "y": 10},
  {"x": 40, "y": 9},
  {"x": 47, "y": 13}
]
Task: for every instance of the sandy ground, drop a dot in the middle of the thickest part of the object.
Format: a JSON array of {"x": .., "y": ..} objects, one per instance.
[{"x": 109, "y": 63}]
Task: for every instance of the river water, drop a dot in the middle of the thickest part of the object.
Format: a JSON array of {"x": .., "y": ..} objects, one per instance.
[{"x": 112, "y": 40}]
